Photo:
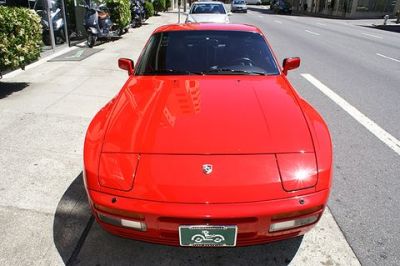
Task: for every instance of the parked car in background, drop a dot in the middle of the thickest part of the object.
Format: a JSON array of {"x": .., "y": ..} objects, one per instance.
[
  {"x": 208, "y": 144},
  {"x": 281, "y": 7},
  {"x": 253, "y": 2},
  {"x": 238, "y": 6},
  {"x": 208, "y": 12}
]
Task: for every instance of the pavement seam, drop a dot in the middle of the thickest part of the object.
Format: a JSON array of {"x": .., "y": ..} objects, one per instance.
[
  {"x": 80, "y": 243},
  {"x": 8, "y": 207},
  {"x": 65, "y": 95}
]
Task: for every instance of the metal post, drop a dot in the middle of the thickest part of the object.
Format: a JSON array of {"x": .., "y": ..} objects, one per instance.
[
  {"x": 65, "y": 22},
  {"x": 51, "y": 30},
  {"x": 184, "y": 5},
  {"x": 179, "y": 11},
  {"x": 386, "y": 17}
]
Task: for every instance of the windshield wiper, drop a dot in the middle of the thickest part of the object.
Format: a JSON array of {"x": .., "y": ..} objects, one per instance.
[
  {"x": 233, "y": 72},
  {"x": 174, "y": 71}
]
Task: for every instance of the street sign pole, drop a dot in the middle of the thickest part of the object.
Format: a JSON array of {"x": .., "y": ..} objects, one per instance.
[{"x": 179, "y": 11}]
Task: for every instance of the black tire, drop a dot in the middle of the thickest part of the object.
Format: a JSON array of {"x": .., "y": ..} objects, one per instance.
[
  {"x": 91, "y": 39},
  {"x": 60, "y": 37},
  {"x": 46, "y": 39}
]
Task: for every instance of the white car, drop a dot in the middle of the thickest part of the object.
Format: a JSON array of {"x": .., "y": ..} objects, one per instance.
[
  {"x": 201, "y": 12},
  {"x": 238, "y": 6}
]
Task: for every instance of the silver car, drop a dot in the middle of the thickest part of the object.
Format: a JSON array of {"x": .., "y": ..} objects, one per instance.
[
  {"x": 239, "y": 6},
  {"x": 208, "y": 12}
]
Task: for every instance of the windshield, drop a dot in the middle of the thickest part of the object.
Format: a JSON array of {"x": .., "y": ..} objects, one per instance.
[
  {"x": 207, "y": 52},
  {"x": 238, "y": 2},
  {"x": 207, "y": 9}
]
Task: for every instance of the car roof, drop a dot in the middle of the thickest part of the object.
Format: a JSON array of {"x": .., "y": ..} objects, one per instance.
[{"x": 208, "y": 26}]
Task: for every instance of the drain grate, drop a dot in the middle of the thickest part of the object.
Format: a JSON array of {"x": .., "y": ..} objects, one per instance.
[{"x": 76, "y": 55}]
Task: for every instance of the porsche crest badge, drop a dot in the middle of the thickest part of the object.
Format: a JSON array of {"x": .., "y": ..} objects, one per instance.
[{"x": 207, "y": 169}]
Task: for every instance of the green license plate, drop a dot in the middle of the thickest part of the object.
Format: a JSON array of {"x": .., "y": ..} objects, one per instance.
[{"x": 208, "y": 235}]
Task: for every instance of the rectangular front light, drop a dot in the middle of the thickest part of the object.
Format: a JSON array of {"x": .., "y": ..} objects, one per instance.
[
  {"x": 133, "y": 224},
  {"x": 141, "y": 226},
  {"x": 286, "y": 225}
]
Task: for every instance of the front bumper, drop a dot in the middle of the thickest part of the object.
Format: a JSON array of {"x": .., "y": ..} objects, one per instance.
[
  {"x": 163, "y": 219},
  {"x": 238, "y": 9}
]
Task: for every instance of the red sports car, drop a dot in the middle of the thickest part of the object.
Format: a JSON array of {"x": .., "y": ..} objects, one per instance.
[{"x": 207, "y": 144}]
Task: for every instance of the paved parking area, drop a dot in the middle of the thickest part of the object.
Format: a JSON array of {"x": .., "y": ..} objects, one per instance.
[{"x": 44, "y": 216}]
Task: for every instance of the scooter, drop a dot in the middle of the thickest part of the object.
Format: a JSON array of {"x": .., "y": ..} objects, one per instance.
[
  {"x": 99, "y": 25},
  {"x": 136, "y": 13},
  {"x": 142, "y": 10},
  {"x": 56, "y": 19}
]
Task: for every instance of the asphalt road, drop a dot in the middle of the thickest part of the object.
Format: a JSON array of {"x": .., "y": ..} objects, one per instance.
[{"x": 362, "y": 66}]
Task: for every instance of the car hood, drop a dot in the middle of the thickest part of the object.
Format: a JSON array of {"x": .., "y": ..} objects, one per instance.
[
  {"x": 207, "y": 115},
  {"x": 200, "y": 18}
]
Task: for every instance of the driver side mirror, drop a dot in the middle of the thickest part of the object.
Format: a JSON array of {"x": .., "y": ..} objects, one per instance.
[
  {"x": 126, "y": 64},
  {"x": 290, "y": 63}
]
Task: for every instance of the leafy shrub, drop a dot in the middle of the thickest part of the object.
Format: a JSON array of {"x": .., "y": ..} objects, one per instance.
[
  {"x": 149, "y": 8},
  {"x": 265, "y": 2},
  {"x": 120, "y": 12},
  {"x": 20, "y": 35},
  {"x": 159, "y": 5},
  {"x": 168, "y": 4}
]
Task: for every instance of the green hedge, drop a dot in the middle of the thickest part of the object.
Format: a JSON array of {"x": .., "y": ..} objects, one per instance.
[
  {"x": 20, "y": 37},
  {"x": 148, "y": 7},
  {"x": 168, "y": 4},
  {"x": 159, "y": 5},
  {"x": 120, "y": 12}
]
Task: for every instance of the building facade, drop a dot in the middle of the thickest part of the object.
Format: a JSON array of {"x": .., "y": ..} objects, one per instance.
[{"x": 346, "y": 8}]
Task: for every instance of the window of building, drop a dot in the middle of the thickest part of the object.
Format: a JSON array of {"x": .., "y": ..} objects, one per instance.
[{"x": 375, "y": 5}]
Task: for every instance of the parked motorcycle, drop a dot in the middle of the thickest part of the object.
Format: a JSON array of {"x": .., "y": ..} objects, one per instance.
[
  {"x": 137, "y": 13},
  {"x": 56, "y": 19},
  {"x": 99, "y": 26}
]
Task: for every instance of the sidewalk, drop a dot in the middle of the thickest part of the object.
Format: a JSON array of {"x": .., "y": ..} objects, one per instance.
[{"x": 44, "y": 113}]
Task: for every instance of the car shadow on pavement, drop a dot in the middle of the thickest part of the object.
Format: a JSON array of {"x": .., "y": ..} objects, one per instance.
[
  {"x": 7, "y": 88},
  {"x": 72, "y": 220},
  {"x": 81, "y": 241}
]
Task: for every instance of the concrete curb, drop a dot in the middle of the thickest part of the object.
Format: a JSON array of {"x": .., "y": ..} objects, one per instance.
[{"x": 15, "y": 73}]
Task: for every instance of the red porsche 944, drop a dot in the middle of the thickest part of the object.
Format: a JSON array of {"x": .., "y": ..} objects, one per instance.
[{"x": 208, "y": 144}]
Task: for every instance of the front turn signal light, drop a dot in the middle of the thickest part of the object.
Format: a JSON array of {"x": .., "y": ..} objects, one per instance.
[
  {"x": 117, "y": 171},
  {"x": 298, "y": 170},
  {"x": 291, "y": 224},
  {"x": 121, "y": 222}
]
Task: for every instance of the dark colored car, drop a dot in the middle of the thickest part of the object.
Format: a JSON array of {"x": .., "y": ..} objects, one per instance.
[{"x": 281, "y": 7}]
